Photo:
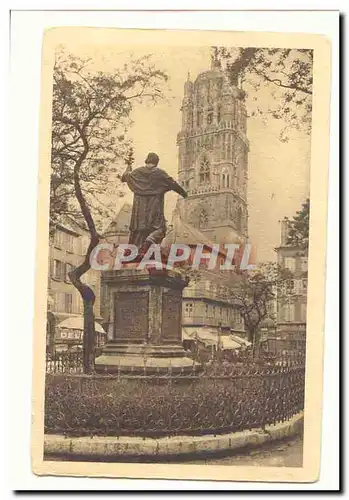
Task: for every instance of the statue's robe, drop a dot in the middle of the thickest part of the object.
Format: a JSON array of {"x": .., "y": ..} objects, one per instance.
[{"x": 149, "y": 185}]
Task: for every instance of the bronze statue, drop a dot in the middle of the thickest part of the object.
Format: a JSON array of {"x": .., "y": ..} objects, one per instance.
[{"x": 149, "y": 185}]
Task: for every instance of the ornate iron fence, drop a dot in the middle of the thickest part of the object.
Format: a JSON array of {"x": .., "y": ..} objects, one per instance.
[
  {"x": 64, "y": 362},
  {"x": 72, "y": 361},
  {"x": 222, "y": 397}
]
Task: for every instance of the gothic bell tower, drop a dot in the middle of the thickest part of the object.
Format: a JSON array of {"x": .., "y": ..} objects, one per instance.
[{"x": 213, "y": 157}]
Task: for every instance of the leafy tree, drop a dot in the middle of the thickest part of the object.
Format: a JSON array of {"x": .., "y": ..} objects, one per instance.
[
  {"x": 286, "y": 73},
  {"x": 90, "y": 117},
  {"x": 298, "y": 227},
  {"x": 255, "y": 291}
]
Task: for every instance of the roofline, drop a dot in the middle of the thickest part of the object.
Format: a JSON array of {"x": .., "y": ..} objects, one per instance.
[
  {"x": 290, "y": 247},
  {"x": 66, "y": 229}
]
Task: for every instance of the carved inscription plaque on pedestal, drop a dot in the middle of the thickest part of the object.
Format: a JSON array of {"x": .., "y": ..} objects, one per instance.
[
  {"x": 131, "y": 316},
  {"x": 171, "y": 316}
]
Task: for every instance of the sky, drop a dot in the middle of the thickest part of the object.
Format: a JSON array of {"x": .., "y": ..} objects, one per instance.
[{"x": 278, "y": 173}]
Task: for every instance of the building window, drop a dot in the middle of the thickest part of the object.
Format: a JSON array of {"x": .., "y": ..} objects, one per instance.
[
  {"x": 229, "y": 145},
  {"x": 303, "y": 312},
  {"x": 64, "y": 241},
  {"x": 68, "y": 306},
  {"x": 58, "y": 239},
  {"x": 58, "y": 270},
  {"x": 206, "y": 310},
  {"x": 188, "y": 308},
  {"x": 204, "y": 172},
  {"x": 69, "y": 242},
  {"x": 209, "y": 118},
  {"x": 225, "y": 180},
  {"x": 289, "y": 312},
  {"x": 235, "y": 316},
  {"x": 85, "y": 242},
  {"x": 304, "y": 264},
  {"x": 290, "y": 263},
  {"x": 68, "y": 269},
  {"x": 59, "y": 301}
]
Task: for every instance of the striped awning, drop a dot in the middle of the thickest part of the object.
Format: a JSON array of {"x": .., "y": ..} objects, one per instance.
[{"x": 210, "y": 337}]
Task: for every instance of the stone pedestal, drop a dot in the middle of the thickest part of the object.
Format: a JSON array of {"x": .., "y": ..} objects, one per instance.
[{"x": 145, "y": 313}]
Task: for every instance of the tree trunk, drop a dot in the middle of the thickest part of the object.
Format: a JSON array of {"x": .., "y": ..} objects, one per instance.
[
  {"x": 89, "y": 339},
  {"x": 255, "y": 343},
  {"x": 87, "y": 294},
  {"x": 89, "y": 336},
  {"x": 250, "y": 335}
]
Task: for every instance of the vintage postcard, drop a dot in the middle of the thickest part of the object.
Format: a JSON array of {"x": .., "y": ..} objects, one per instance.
[{"x": 181, "y": 254}]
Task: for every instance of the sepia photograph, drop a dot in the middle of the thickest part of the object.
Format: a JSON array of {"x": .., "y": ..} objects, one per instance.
[{"x": 174, "y": 322}]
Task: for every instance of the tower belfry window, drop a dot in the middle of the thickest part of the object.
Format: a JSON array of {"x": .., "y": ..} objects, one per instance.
[{"x": 204, "y": 172}]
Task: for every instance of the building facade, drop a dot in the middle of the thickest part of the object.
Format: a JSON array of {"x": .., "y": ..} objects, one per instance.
[
  {"x": 68, "y": 246},
  {"x": 292, "y": 297},
  {"x": 208, "y": 301}
]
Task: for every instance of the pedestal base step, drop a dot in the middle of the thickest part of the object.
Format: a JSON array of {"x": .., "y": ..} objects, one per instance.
[{"x": 145, "y": 359}]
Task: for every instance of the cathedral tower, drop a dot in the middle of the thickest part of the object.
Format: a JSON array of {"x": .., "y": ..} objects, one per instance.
[{"x": 212, "y": 157}]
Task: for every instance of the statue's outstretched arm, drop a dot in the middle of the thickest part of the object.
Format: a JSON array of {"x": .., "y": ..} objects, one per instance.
[
  {"x": 178, "y": 189},
  {"x": 173, "y": 185}
]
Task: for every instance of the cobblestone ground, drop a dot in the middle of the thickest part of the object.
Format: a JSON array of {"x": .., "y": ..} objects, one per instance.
[{"x": 287, "y": 453}]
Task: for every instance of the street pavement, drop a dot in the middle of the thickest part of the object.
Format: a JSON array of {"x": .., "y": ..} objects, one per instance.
[{"x": 286, "y": 453}]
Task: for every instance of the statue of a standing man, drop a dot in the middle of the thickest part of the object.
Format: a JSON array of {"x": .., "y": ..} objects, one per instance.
[{"x": 149, "y": 185}]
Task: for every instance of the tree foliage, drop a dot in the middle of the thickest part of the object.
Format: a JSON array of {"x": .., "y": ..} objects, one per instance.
[
  {"x": 90, "y": 116},
  {"x": 298, "y": 227},
  {"x": 255, "y": 292},
  {"x": 287, "y": 74}
]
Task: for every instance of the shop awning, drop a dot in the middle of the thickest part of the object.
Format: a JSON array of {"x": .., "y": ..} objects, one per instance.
[
  {"x": 227, "y": 343},
  {"x": 77, "y": 323},
  {"x": 240, "y": 340},
  {"x": 210, "y": 337}
]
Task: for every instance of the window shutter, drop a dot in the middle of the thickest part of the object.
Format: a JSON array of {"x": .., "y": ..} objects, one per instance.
[
  {"x": 63, "y": 271},
  {"x": 51, "y": 267}
]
